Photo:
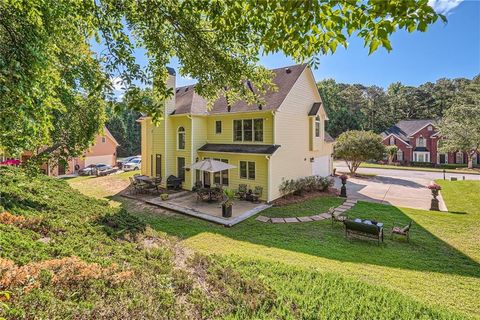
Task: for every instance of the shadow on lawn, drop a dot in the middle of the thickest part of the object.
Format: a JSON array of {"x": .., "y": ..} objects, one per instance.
[{"x": 425, "y": 252}]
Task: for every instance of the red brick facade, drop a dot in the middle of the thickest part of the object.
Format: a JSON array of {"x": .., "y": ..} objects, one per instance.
[{"x": 426, "y": 152}]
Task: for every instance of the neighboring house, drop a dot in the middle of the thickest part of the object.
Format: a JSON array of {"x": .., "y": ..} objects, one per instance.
[
  {"x": 103, "y": 150},
  {"x": 283, "y": 139},
  {"x": 417, "y": 141}
]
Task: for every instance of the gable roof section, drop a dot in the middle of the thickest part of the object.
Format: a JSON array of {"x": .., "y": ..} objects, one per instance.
[
  {"x": 110, "y": 136},
  {"x": 187, "y": 101},
  {"x": 406, "y": 128},
  {"x": 240, "y": 148},
  {"x": 328, "y": 137}
]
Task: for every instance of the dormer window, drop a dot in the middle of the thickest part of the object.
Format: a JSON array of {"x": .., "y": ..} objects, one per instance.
[
  {"x": 181, "y": 138},
  {"x": 317, "y": 126},
  {"x": 392, "y": 141}
]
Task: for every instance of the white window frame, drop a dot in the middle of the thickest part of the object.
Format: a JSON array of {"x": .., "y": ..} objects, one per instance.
[
  {"x": 253, "y": 130},
  {"x": 456, "y": 157},
  {"x": 425, "y": 154},
  {"x": 184, "y": 138},
  {"x": 104, "y": 140},
  {"x": 392, "y": 141},
  {"x": 424, "y": 144},
  {"x": 248, "y": 175},
  {"x": 318, "y": 127},
  {"x": 400, "y": 152},
  {"x": 221, "y": 127}
]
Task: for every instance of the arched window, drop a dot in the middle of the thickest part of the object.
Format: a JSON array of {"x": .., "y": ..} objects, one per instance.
[
  {"x": 392, "y": 141},
  {"x": 421, "y": 142},
  {"x": 317, "y": 126},
  {"x": 399, "y": 155},
  {"x": 181, "y": 138}
]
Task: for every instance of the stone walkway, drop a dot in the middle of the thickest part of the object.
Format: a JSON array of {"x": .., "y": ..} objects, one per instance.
[{"x": 325, "y": 215}]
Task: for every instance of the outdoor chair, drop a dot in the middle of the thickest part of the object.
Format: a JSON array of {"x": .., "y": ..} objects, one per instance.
[
  {"x": 217, "y": 194},
  {"x": 363, "y": 229},
  {"x": 203, "y": 194},
  {"x": 337, "y": 217},
  {"x": 174, "y": 182},
  {"x": 402, "y": 231},
  {"x": 257, "y": 193},
  {"x": 156, "y": 182},
  {"x": 242, "y": 191}
]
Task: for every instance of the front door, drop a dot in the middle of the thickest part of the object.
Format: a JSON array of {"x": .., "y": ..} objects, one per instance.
[
  {"x": 61, "y": 169},
  {"x": 181, "y": 168},
  {"x": 442, "y": 158}
]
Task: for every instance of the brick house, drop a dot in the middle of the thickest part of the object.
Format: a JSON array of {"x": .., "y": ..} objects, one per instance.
[{"x": 417, "y": 141}]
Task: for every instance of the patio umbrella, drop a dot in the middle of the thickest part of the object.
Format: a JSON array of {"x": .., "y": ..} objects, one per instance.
[{"x": 210, "y": 165}]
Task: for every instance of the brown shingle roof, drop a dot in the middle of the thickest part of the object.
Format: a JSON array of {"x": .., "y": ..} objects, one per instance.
[{"x": 189, "y": 102}]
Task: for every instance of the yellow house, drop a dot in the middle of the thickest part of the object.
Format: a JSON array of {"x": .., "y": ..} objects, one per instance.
[{"x": 283, "y": 139}]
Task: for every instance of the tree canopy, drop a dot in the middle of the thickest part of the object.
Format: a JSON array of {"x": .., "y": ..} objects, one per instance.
[
  {"x": 356, "y": 147},
  {"x": 47, "y": 61},
  {"x": 356, "y": 106},
  {"x": 460, "y": 127}
]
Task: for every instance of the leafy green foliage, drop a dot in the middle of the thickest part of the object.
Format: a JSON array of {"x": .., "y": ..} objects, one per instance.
[
  {"x": 391, "y": 151},
  {"x": 460, "y": 127},
  {"x": 122, "y": 124},
  {"x": 356, "y": 147},
  {"x": 48, "y": 69},
  {"x": 355, "y": 106}
]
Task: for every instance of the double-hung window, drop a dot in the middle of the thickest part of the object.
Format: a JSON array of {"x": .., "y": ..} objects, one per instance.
[
  {"x": 221, "y": 178},
  {"x": 248, "y": 130},
  {"x": 181, "y": 138},
  {"x": 218, "y": 127},
  {"x": 317, "y": 126},
  {"x": 247, "y": 170}
]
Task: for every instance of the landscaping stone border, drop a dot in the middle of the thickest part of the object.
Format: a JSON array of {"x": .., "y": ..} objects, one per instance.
[{"x": 347, "y": 205}]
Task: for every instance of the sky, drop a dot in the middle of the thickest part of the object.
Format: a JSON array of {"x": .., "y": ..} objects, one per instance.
[{"x": 448, "y": 50}]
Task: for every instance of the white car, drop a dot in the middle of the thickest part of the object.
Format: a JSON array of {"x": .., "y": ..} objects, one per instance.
[{"x": 135, "y": 164}]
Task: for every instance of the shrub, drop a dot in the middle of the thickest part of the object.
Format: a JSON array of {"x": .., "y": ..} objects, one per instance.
[{"x": 303, "y": 185}]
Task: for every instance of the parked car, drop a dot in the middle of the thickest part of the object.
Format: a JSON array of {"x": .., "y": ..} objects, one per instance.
[
  {"x": 135, "y": 164},
  {"x": 123, "y": 161},
  {"x": 94, "y": 169},
  {"x": 105, "y": 170}
]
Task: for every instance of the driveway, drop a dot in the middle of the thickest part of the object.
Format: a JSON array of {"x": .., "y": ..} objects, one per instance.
[{"x": 400, "y": 188}]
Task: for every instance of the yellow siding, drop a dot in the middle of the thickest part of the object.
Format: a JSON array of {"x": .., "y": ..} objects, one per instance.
[
  {"x": 175, "y": 123},
  {"x": 227, "y": 127},
  {"x": 294, "y": 132},
  {"x": 261, "y": 170}
]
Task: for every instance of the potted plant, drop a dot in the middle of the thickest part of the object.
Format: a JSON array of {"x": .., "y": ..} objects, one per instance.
[
  {"x": 343, "y": 189},
  {"x": 164, "y": 196},
  {"x": 228, "y": 203},
  {"x": 435, "y": 188}
]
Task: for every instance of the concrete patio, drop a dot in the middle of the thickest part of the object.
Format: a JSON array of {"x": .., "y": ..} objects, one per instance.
[{"x": 186, "y": 202}]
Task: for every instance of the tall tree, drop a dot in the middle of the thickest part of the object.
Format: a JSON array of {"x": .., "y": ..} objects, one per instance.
[
  {"x": 356, "y": 147},
  {"x": 460, "y": 127},
  {"x": 45, "y": 49}
]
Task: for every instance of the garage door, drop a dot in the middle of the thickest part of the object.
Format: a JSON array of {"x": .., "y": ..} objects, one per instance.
[
  {"x": 321, "y": 166},
  {"x": 108, "y": 159}
]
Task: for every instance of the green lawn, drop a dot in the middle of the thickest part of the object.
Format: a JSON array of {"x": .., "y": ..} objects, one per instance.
[
  {"x": 447, "y": 168},
  {"x": 255, "y": 270}
]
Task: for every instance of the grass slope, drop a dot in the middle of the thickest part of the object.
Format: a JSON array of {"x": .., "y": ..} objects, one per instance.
[
  {"x": 256, "y": 270},
  {"x": 443, "y": 252}
]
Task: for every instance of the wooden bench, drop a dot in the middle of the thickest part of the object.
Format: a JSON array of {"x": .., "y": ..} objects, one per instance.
[{"x": 366, "y": 230}]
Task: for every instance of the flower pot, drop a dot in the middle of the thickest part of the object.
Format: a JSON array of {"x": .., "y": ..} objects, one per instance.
[
  {"x": 226, "y": 210},
  {"x": 164, "y": 196}
]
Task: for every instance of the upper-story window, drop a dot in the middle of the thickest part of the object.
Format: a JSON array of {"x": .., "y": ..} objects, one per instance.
[
  {"x": 181, "y": 138},
  {"x": 317, "y": 126},
  {"x": 218, "y": 127},
  {"x": 392, "y": 141},
  {"x": 429, "y": 128},
  {"x": 421, "y": 142},
  {"x": 248, "y": 130},
  {"x": 104, "y": 140}
]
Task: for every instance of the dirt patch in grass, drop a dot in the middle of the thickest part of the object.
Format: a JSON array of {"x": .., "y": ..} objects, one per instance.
[{"x": 293, "y": 198}]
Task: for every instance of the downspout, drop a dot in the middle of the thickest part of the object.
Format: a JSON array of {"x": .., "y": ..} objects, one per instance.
[{"x": 269, "y": 179}]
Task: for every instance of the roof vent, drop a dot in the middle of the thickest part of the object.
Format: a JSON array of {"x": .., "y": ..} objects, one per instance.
[
  {"x": 186, "y": 89},
  {"x": 288, "y": 70}
]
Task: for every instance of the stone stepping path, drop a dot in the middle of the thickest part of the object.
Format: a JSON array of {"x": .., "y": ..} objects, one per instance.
[{"x": 322, "y": 216}]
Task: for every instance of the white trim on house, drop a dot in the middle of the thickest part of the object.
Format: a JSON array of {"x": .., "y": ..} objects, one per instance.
[
  {"x": 428, "y": 124},
  {"x": 438, "y": 157},
  {"x": 393, "y": 134},
  {"x": 417, "y": 154}
]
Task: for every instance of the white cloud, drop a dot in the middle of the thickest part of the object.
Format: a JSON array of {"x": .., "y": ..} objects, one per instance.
[{"x": 444, "y": 6}]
